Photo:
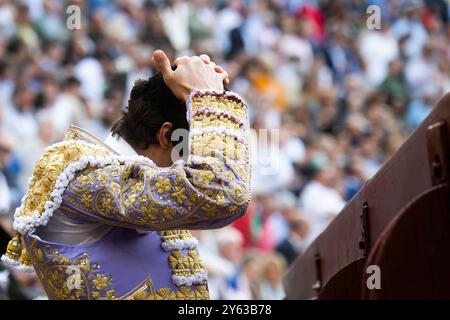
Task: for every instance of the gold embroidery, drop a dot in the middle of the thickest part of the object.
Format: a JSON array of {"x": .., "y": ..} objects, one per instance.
[
  {"x": 140, "y": 194},
  {"x": 163, "y": 184},
  {"x": 14, "y": 248},
  {"x": 55, "y": 272},
  {"x": 237, "y": 109},
  {"x": 171, "y": 194},
  {"x": 174, "y": 234},
  {"x": 47, "y": 170},
  {"x": 77, "y": 133},
  {"x": 185, "y": 265},
  {"x": 210, "y": 144},
  {"x": 161, "y": 198},
  {"x": 69, "y": 279},
  {"x": 201, "y": 121},
  {"x": 145, "y": 291}
]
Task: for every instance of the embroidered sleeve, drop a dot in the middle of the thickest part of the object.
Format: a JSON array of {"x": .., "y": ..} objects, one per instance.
[{"x": 208, "y": 190}]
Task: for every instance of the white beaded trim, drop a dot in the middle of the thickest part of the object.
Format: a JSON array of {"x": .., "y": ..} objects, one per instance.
[
  {"x": 16, "y": 264},
  {"x": 223, "y": 94},
  {"x": 219, "y": 112},
  {"x": 199, "y": 278},
  {"x": 10, "y": 261},
  {"x": 219, "y": 130},
  {"x": 24, "y": 224},
  {"x": 242, "y": 135},
  {"x": 25, "y": 268},
  {"x": 199, "y": 160},
  {"x": 179, "y": 244}
]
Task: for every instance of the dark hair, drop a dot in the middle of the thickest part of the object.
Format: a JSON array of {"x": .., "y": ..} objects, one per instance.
[
  {"x": 70, "y": 82},
  {"x": 151, "y": 104}
]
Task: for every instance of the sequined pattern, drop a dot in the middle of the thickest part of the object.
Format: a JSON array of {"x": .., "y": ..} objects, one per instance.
[
  {"x": 86, "y": 179},
  {"x": 209, "y": 190},
  {"x": 65, "y": 278}
]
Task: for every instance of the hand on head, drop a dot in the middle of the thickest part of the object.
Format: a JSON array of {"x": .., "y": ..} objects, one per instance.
[
  {"x": 205, "y": 58},
  {"x": 197, "y": 72}
]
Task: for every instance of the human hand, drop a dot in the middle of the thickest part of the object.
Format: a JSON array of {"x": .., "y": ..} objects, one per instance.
[
  {"x": 190, "y": 73},
  {"x": 206, "y": 59}
]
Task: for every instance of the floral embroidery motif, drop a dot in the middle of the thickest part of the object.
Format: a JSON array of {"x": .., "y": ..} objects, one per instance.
[
  {"x": 100, "y": 282},
  {"x": 145, "y": 291},
  {"x": 49, "y": 174},
  {"x": 186, "y": 269},
  {"x": 211, "y": 188},
  {"x": 55, "y": 270},
  {"x": 143, "y": 195},
  {"x": 57, "y": 274},
  {"x": 163, "y": 184},
  {"x": 24, "y": 222},
  {"x": 185, "y": 265}
]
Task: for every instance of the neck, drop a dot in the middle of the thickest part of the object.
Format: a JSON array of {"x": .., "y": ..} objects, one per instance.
[{"x": 155, "y": 153}]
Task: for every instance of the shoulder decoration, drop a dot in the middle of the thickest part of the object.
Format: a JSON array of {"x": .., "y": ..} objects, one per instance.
[{"x": 52, "y": 174}]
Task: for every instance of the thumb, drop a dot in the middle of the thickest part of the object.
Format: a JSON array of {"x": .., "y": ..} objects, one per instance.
[{"x": 162, "y": 63}]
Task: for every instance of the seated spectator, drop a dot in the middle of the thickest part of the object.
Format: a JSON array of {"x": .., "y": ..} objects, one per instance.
[
  {"x": 271, "y": 286},
  {"x": 295, "y": 243}
]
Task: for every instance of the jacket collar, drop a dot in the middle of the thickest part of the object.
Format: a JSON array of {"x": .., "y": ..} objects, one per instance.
[
  {"x": 115, "y": 144},
  {"x": 119, "y": 145}
]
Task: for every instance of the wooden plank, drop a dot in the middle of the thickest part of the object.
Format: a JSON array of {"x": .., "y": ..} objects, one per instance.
[
  {"x": 412, "y": 252},
  {"x": 401, "y": 179}
]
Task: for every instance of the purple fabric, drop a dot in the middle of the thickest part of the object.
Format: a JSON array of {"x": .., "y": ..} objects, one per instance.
[{"x": 127, "y": 256}]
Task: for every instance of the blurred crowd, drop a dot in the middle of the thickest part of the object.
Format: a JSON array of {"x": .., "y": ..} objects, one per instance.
[{"x": 331, "y": 97}]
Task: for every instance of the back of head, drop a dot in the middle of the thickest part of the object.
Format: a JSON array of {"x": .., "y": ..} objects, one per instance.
[{"x": 150, "y": 105}]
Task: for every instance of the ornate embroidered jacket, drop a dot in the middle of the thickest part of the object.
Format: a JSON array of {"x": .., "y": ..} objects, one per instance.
[{"x": 89, "y": 183}]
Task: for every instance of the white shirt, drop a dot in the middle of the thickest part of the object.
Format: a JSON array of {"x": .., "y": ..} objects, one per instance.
[
  {"x": 67, "y": 109},
  {"x": 377, "y": 50},
  {"x": 90, "y": 73},
  {"x": 5, "y": 197},
  {"x": 61, "y": 229},
  {"x": 320, "y": 204}
]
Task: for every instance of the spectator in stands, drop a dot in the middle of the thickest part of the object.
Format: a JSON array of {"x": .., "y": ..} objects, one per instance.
[
  {"x": 293, "y": 245},
  {"x": 271, "y": 286},
  {"x": 330, "y": 100}
]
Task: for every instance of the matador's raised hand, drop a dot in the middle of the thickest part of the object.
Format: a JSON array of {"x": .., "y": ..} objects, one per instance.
[{"x": 190, "y": 73}]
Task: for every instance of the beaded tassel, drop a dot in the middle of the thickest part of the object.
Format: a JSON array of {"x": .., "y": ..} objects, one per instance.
[{"x": 13, "y": 250}]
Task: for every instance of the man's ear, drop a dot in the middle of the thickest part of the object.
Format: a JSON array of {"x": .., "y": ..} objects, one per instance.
[{"x": 164, "y": 135}]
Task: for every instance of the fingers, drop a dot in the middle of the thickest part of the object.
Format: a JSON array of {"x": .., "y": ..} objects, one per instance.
[
  {"x": 197, "y": 60},
  {"x": 212, "y": 64},
  {"x": 180, "y": 60},
  {"x": 219, "y": 69},
  {"x": 225, "y": 77},
  {"x": 206, "y": 61},
  {"x": 205, "y": 58},
  {"x": 162, "y": 63}
]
